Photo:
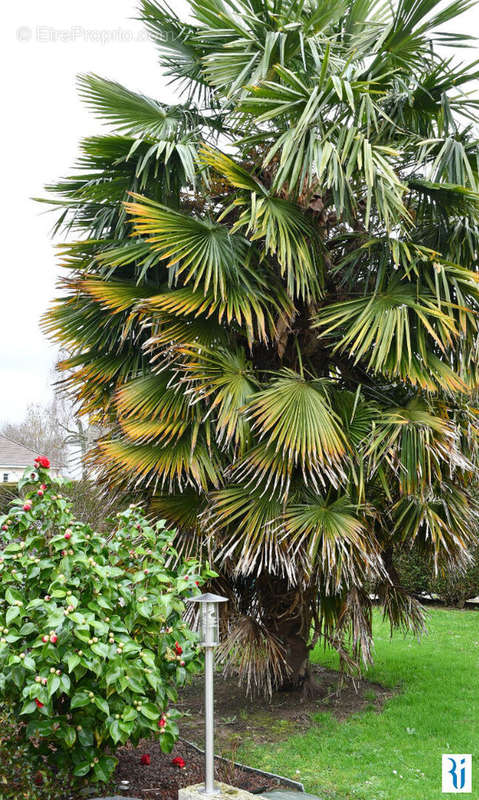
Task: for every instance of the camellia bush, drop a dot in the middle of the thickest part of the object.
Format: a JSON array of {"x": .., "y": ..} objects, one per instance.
[{"x": 93, "y": 644}]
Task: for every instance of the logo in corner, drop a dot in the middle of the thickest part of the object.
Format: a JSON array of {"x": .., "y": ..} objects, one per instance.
[{"x": 457, "y": 774}]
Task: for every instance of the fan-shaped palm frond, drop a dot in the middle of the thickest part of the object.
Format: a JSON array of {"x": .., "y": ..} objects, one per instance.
[
  {"x": 203, "y": 252},
  {"x": 294, "y": 416},
  {"x": 420, "y": 447},
  {"x": 391, "y": 330},
  {"x": 223, "y": 380},
  {"x": 249, "y": 516},
  {"x": 442, "y": 524},
  {"x": 180, "y": 464},
  {"x": 132, "y": 113},
  {"x": 333, "y": 538}
]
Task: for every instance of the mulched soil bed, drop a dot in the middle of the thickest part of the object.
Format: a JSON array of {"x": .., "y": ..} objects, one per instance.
[
  {"x": 161, "y": 779},
  {"x": 238, "y": 717}
]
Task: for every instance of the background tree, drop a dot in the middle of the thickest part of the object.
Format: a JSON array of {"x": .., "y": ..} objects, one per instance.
[
  {"x": 57, "y": 430},
  {"x": 272, "y": 303},
  {"x": 42, "y": 429}
]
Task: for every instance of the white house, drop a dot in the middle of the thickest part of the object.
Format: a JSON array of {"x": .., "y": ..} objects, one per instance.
[{"x": 15, "y": 458}]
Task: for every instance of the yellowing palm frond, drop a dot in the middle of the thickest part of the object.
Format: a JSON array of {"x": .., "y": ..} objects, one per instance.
[
  {"x": 201, "y": 252},
  {"x": 223, "y": 381},
  {"x": 178, "y": 464},
  {"x": 116, "y": 296},
  {"x": 252, "y": 309}
]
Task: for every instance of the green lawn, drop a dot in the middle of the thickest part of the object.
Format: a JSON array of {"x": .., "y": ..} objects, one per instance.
[{"x": 394, "y": 755}]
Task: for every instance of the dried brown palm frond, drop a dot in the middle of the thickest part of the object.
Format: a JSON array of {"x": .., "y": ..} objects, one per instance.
[
  {"x": 345, "y": 624},
  {"x": 254, "y": 654},
  {"x": 403, "y": 611}
]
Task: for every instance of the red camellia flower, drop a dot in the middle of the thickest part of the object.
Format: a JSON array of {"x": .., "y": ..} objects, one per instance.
[
  {"x": 145, "y": 759},
  {"x": 161, "y": 722},
  {"x": 178, "y": 649},
  {"x": 178, "y": 762},
  {"x": 42, "y": 461},
  {"x": 37, "y": 701}
]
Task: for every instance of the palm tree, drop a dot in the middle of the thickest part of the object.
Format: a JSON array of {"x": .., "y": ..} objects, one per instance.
[{"x": 271, "y": 299}]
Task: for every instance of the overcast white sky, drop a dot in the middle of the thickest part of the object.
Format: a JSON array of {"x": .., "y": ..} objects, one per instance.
[{"x": 45, "y": 44}]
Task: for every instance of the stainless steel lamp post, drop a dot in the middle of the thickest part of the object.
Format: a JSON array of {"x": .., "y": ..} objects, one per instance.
[{"x": 209, "y": 639}]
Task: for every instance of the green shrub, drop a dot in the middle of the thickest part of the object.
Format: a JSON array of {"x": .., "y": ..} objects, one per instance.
[
  {"x": 92, "y": 640},
  {"x": 92, "y": 503},
  {"x": 20, "y": 775},
  {"x": 453, "y": 588}
]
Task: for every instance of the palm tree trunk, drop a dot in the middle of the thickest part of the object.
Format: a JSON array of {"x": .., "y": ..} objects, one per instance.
[
  {"x": 296, "y": 656},
  {"x": 289, "y": 618}
]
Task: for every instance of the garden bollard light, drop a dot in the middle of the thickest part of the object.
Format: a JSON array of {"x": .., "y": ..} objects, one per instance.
[{"x": 209, "y": 638}]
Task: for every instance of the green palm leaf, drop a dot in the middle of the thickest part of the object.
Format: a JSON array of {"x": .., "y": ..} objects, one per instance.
[
  {"x": 222, "y": 380},
  {"x": 294, "y": 416},
  {"x": 199, "y": 251},
  {"x": 333, "y": 538},
  {"x": 390, "y": 330}
]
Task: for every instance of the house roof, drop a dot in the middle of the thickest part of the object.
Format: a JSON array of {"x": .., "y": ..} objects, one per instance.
[{"x": 13, "y": 454}]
